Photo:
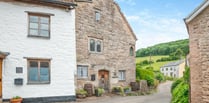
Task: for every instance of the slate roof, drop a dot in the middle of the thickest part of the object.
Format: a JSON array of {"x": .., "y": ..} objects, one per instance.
[
  {"x": 4, "y": 53},
  {"x": 174, "y": 63},
  {"x": 66, "y": 3},
  {"x": 197, "y": 11}
]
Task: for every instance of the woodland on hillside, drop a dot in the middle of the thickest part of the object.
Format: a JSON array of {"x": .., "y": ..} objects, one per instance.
[{"x": 165, "y": 48}]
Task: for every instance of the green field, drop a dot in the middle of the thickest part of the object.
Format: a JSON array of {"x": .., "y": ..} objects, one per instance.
[{"x": 155, "y": 65}]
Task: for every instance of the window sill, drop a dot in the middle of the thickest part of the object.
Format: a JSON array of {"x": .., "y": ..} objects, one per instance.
[
  {"x": 91, "y": 52},
  {"x": 82, "y": 78},
  {"x": 38, "y": 83},
  {"x": 37, "y": 36},
  {"x": 122, "y": 80}
]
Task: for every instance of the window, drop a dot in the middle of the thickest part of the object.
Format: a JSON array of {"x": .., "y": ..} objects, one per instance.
[
  {"x": 95, "y": 45},
  {"x": 162, "y": 69},
  {"x": 171, "y": 69},
  {"x": 97, "y": 16},
  {"x": 122, "y": 75},
  {"x": 38, "y": 71},
  {"x": 166, "y": 69},
  {"x": 82, "y": 71},
  {"x": 171, "y": 74},
  {"x": 39, "y": 25},
  {"x": 131, "y": 51}
]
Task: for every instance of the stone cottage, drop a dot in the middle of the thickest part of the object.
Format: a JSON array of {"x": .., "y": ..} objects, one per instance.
[
  {"x": 174, "y": 69},
  {"x": 35, "y": 62},
  {"x": 105, "y": 45},
  {"x": 198, "y": 28}
]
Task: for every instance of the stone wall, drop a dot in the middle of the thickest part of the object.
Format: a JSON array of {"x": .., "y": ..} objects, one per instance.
[
  {"x": 199, "y": 57},
  {"x": 116, "y": 36}
]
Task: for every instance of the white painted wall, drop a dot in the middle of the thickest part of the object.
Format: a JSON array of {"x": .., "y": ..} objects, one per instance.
[
  {"x": 60, "y": 47},
  {"x": 169, "y": 71}
]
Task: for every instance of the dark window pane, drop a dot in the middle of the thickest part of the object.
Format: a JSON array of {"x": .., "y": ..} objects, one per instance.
[
  {"x": 45, "y": 64},
  {"x": 33, "y": 74},
  {"x": 34, "y": 19},
  {"x": 131, "y": 51},
  {"x": 44, "y": 71},
  {"x": 44, "y": 74},
  {"x": 33, "y": 31},
  {"x": 44, "y": 33},
  {"x": 44, "y": 26},
  {"x": 34, "y": 25},
  {"x": 34, "y": 64},
  {"x": 97, "y": 16},
  {"x": 98, "y": 46},
  {"x": 92, "y": 45},
  {"x": 44, "y": 20}
]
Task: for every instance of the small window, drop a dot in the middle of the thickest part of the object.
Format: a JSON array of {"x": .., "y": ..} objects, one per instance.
[
  {"x": 92, "y": 45},
  {"x": 131, "y": 51},
  {"x": 166, "y": 69},
  {"x": 82, "y": 71},
  {"x": 39, "y": 25},
  {"x": 97, "y": 16},
  {"x": 171, "y": 69},
  {"x": 98, "y": 46},
  {"x": 95, "y": 45},
  {"x": 38, "y": 71},
  {"x": 162, "y": 69},
  {"x": 122, "y": 75},
  {"x": 171, "y": 74}
]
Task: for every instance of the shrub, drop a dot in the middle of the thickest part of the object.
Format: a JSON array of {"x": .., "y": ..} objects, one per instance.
[
  {"x": 181, "y": 93},
  {"x": 160, "y": 77},
  {"x": 180, "y": 89},
  {"x": 99, "y": 91},
  {"x": 175, "y": 84},
  {"x": 81, "y": 91},
  {"x": 146, "y": 75}
]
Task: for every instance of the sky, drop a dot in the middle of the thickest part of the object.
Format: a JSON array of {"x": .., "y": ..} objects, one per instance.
[{"x": 157, "y": 21}]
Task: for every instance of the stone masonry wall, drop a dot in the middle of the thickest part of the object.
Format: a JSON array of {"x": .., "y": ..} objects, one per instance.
[
  {"x": 116, "y": 41},
  {"x": 199, "y": 57}
]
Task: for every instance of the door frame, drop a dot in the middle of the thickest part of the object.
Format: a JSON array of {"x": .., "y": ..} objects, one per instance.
[
  {"x": 1, "y": 86},
  {"x": 108, "y": 78}
]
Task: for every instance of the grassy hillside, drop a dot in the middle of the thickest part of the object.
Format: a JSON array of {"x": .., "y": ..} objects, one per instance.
[{"x": 156, "y": 65}]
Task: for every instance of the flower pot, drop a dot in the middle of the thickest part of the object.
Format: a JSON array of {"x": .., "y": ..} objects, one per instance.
[{"x": 19, "y": 100}]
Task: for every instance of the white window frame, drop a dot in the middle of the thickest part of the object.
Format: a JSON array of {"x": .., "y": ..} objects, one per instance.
[
  {"x": 97, "y": 15},
  {"x": 81, "y": 68},
  {"x": 121, "y": 75},
  {"x": 95, "y": 45},
  {"x": 39, "y": 61},
  {"x": 39, "y": 23}
]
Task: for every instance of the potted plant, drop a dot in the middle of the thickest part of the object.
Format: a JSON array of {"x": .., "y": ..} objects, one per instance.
[
  {"x": 16, "y": 99},
  {"x": 81, "y": 93},
  {"x": 127, "y": 89},
  {"x": 99, "y": 92}
]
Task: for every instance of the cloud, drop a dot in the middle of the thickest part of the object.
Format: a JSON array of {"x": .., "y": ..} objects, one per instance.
[
  {"x": 132, "y": 18},
  {"x": 151, "y": 30}
]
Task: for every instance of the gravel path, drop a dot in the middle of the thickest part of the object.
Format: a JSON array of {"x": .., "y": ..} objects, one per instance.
[{"x": 162, "y": 96}]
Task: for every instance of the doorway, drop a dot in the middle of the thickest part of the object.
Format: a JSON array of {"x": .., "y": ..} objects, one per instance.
[
  {"x": 104, "y": 79},
  {"x": 1, "y": 77}
]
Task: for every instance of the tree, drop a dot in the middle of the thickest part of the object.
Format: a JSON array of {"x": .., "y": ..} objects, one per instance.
[{"x": 179, "y": 53}]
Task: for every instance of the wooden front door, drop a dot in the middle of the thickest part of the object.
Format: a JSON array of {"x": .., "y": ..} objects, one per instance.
[
  {"x": 1, "y": 77},
  {"x": 104, "y": 79}
]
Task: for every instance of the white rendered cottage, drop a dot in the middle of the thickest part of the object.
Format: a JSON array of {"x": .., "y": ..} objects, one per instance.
[
  {"x": 173, "y": 69},
  {"x": 37, "y": 50}
]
